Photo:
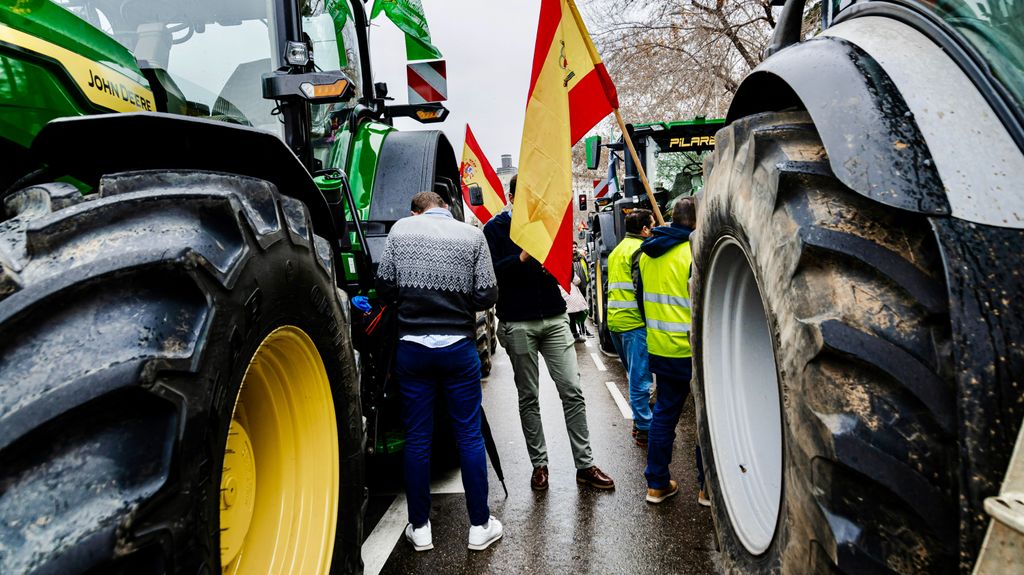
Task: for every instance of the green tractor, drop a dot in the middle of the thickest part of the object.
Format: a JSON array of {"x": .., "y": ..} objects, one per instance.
[
  {"x": 672, "y": 154},
  {"x": 191, "y": 194},
  {"x": 858, "y": 275}
]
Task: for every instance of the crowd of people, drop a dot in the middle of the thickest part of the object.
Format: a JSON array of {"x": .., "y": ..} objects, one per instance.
[{"x": 440, "y": 272}]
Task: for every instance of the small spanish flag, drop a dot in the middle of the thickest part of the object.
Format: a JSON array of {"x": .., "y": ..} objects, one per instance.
[
  {"x": 477, "y": 171},
  {"x": 570, "y": 92}
]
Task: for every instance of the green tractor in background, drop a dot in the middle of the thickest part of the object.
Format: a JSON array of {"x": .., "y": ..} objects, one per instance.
[
  {"x": 672, "y": 154},
  {"x": 858, "y": 273},
  {"x": 191, "y": 194}
]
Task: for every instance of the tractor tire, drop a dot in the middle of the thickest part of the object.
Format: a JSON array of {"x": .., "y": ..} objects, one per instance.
[
  {"x": 492, "y": 330},
  {"x": 823, "y": 379},
  {"x": 483, "y": 343},
  {"x": 169, "y": 348}
]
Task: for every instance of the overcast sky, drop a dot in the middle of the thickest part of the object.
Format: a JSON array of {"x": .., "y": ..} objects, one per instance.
[{"x": 488, "y": 45}]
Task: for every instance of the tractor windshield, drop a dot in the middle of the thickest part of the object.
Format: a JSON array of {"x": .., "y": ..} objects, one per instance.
[
  {"x": 678, "y": 173},
  {"x": 996, "y": 29},
  {"x": 210, "y": 56}
]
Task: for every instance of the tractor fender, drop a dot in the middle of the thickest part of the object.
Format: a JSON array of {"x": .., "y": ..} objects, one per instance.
[
  {"x": 874, "y": 144},
  {"x": 412, "y": 162},
  {"x": 979, "y": 160},
  {"x": 870, "y": 85},
  {"x": 88, "y": 147}
]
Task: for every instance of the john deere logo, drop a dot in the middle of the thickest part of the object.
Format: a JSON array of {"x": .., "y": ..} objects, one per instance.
[{"x": 563, "y": 63}]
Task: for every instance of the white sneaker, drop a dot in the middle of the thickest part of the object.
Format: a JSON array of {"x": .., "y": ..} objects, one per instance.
[
  {"x": 481, "y": 536},
  {"x": 420, "y": 537}
]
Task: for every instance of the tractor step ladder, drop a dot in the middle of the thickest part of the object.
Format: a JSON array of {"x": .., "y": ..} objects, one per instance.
[{"x": 1003, "y": 549}]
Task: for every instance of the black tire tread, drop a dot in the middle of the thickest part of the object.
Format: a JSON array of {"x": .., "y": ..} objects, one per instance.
[
  {"x": 148, "y": 241},
  {"x": 864, "y": 342}
]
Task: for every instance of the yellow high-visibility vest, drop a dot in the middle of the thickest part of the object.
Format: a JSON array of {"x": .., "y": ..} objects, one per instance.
[
  {"x": 667, "y": 301},
  {"x": 623, "y": 310}
]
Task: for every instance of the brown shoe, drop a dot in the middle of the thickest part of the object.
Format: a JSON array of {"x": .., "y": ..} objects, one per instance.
[
  {"x": 641, "y": 437},
  {"x": 659, "y": 495},
  {"x": 539, "y": 481},
  {"x": 595, "y": 478}
]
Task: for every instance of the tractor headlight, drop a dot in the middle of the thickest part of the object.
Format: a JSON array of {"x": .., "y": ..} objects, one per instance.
[{"x": 297, "y": 54}]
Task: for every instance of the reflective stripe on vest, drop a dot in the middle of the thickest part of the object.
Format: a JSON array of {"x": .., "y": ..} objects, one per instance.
[
  {"x": 623, "y": 305},
  {"x": 623, "y": 311},
  {"x": 667, "y": 301}
]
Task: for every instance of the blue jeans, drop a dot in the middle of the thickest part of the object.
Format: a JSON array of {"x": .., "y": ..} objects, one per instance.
[
  {"x": 672, "y": 392},
  {"x": 618, "y": 345},
  {"x": 634, "y": 347},
  {"x": 455, "y": 372}
]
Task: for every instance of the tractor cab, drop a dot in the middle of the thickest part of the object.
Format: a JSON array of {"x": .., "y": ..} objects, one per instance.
[{"x": 672, "y": 155}]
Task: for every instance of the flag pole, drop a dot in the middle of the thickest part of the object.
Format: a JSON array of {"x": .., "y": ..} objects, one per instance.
[{"x": 639, "y": 169}]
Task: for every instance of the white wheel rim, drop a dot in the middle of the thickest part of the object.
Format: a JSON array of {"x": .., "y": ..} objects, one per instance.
[{"x": 741, "y": 392}]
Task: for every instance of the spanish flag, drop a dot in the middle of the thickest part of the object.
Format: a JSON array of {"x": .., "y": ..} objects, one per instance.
[
  {"x": 570, "y": 92},
  {"x": 477, "y": 171}
]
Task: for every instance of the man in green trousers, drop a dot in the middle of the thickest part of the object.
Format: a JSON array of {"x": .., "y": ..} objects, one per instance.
[{"x": 534, "y": 321}]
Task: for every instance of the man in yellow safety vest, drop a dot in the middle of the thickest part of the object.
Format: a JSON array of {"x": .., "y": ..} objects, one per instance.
[
  {"x": 625, "y": 325},
  {"x": 662, "y": 276}
]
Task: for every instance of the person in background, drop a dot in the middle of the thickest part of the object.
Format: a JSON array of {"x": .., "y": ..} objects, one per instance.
[
  {"x": 661, "y": 277},
  {"x": 625, "y": 324},
  {"x": 576, "y": 306},
  {"x": 533, "y": 321},
  {"x": 438, "y": 271},
  {"x": 582, "y": 271}
]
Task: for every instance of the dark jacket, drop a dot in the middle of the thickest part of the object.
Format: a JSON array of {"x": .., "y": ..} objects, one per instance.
[
  {"x": 527, "y": 291},
  {"x": 663, "y": 239},
  {"x": 438, "y": 270}
]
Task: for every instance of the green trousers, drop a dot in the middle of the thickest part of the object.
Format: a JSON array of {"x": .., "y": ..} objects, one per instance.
[{"x": 551, "y": 338}]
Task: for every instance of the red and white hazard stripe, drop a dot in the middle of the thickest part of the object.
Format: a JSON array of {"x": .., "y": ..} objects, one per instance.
[
  {"x": 600, "y": 188},
  {"x": 428, "y": 82}
]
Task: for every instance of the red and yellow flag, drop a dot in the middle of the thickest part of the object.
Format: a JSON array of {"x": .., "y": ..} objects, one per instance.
[
  {"x": 476, "y": 170},
  {"x": 570, "y": 92}
]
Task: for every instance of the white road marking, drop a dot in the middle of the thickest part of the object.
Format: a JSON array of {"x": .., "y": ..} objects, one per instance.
[
  {"x": 619, "y": 400},
  {"x": 588, "y": 343},
  {"x": 597, "y": 360},
  {"x": 379, "y": 545}
]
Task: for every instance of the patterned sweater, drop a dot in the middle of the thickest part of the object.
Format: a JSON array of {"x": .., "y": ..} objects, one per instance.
[{"x": 439, "y": 272}]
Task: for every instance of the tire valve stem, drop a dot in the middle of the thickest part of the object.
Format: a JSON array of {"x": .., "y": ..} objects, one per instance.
[{"x": 743, "y": 468}]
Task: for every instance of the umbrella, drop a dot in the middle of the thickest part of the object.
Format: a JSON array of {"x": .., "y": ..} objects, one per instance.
[{"x": 492, "y": 449}]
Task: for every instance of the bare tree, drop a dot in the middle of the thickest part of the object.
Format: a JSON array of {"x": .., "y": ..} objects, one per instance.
[{"x": 673, "y": 59}]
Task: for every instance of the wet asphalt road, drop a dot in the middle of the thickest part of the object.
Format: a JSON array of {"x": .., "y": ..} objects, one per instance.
[{"x": 569, "y": 528}]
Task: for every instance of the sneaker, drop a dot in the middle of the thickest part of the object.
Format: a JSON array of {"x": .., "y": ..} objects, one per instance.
[
  {"x": 702, "y": 499},
  {"x": 580, "y": 339},
  {"x": 420, "y": 537},
  {"x": 635, "y": 430},
  {"x": 641, "y": 437},
  {"x": 659, "y": 495},
  {"x": 481, "y": 536}
]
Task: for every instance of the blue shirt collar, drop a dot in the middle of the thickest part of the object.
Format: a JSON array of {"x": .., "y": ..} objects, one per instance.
[{"x": 438, "y": 212}]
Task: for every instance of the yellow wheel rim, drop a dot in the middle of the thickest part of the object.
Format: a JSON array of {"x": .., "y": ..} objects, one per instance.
[{"x": 279, "y": 485}]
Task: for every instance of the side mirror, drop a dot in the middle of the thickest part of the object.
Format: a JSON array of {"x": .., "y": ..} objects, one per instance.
[
  {"x": 316, "y": 87},
  {"x": 476, "y": 195},
  {"x": 430, "y": 113},
  {"x": 593, "y": 147}
]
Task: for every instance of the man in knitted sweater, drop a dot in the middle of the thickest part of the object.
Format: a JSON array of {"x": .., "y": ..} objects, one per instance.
[
  {"x": 438, "y": 271},
  {"x": 533, "y": 320}
]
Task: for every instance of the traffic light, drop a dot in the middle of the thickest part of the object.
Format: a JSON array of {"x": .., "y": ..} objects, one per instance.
[{"x": 583, "y": 202}]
